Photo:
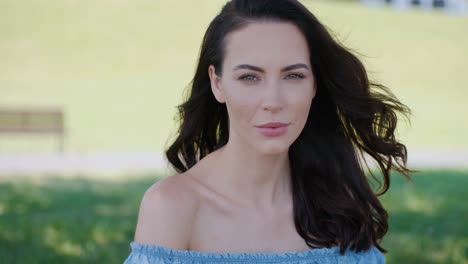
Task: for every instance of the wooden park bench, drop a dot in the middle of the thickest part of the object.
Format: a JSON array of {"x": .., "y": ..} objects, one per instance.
[{"x": 33, "y": 121}]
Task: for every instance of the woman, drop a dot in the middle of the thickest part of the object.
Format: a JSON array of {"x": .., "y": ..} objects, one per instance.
[{"x": 278, "y": 119}]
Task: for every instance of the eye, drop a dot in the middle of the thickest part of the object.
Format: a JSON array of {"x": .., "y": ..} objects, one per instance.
[
  {"x": 295, "y": 76},
  {"x": 248, "y": 77}
]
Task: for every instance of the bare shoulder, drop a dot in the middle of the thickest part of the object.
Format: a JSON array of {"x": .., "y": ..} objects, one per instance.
[{"x": 166, "y": 214}]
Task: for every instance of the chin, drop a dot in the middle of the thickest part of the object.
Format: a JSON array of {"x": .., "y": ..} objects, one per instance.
[{"x": 273, "y": 148}]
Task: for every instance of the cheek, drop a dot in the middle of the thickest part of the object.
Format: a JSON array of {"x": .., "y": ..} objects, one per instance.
[
  {"x": 301, "y": 103},
  {"x": 241, "y": 104}
]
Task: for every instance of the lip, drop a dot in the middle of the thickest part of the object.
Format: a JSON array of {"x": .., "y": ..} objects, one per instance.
[
  {"x": 273, "y": 125},
  {"x": 273, "y": 129}
]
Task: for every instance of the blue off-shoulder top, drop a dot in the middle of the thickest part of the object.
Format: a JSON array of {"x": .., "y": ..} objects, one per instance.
[{"x": 151, "y": 254}]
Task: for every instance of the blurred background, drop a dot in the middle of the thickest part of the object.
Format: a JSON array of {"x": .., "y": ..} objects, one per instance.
[{"x": 88, "y": 96}]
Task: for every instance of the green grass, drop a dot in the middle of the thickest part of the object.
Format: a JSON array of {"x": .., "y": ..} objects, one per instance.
[
  {"x": 79, "y": 220},
  {"x": 55, "y": 220},
  {"x": 118, "y": 68},
  {"x": 428, "y": 218}
]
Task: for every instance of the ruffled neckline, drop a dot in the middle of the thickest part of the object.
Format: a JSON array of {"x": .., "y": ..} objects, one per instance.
[{"x": 192, "y": 254}]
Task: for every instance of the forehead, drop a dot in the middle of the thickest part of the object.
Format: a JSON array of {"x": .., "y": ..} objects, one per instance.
[{"x": 266, "y": 44}]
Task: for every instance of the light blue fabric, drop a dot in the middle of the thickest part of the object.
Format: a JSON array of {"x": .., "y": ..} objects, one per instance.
[{"x": 151, "y": 254}]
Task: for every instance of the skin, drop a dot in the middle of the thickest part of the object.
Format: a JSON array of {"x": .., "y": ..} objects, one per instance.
[
  {"x": 242, "y": 191},
  {"x": 253, "y": 165}
]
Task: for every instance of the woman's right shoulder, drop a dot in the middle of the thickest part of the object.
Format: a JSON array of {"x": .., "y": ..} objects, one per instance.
[
  {"x": 166, "y": 213},
  {"x": 177, "y": 189}
]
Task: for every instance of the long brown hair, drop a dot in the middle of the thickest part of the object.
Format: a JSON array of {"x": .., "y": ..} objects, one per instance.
[{"x": 350, "y": 117}]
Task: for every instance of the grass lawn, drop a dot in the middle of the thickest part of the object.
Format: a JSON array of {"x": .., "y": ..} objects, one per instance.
[
  {"x": 118, "y": 68},
  {"x": 56, "y": 220}
]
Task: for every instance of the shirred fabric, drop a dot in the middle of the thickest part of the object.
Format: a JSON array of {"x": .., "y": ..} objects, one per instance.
[{"x": 151, "y": 254}]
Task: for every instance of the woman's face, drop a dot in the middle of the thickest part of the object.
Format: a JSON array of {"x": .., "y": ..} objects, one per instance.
[{"x": 266, "y": 78}]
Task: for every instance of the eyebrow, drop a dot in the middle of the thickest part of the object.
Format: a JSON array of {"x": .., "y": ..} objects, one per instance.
[{"x": 255, "y": 68}]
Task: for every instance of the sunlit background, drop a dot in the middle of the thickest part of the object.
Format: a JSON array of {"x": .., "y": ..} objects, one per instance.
[{"x": 88, "y": 96}]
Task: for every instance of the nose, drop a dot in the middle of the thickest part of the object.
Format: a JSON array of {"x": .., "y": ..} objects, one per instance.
[
  {"x": 272, "y": 100},
  {"x": 272, "y": 108}
]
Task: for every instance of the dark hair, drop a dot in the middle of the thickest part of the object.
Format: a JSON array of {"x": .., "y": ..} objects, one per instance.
[{"x": 350, "y": 118}]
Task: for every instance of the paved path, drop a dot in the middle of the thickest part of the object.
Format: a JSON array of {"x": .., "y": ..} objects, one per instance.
[
  {"x": 123, "y": 163},
  {"x": 81, "y": 164}
]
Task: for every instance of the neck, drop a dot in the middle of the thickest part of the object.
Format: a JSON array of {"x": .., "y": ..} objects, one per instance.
[{"x": 252, "y": 178}]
